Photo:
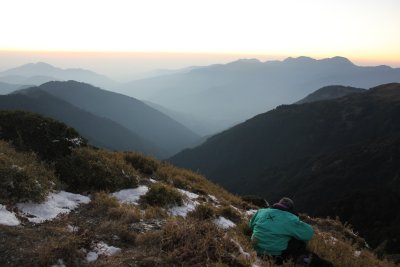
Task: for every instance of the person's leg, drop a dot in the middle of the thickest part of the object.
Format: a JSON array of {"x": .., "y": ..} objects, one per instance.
[{"x": 295, "y": 248}]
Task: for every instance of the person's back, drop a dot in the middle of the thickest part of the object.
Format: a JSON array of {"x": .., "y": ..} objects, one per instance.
[{"x": 274, "y": 227}]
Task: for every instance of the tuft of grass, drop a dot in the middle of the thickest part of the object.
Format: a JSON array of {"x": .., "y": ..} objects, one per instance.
[
  {"x": 65, "y": 247},
  {"x": 153, "y": 212},
  {"x": 143, "y": 164},
  {"x": 343, "y": 252},
  {"x": 101, "y": 204},
  {"x": 116, "y": 231},
  {"x": 87, "y": 169},
  {"x": 198, "y": 243},
  {"x": 202, "y": 212},
  {"x": 162, "y": 195},
  {"x": 230, "y": 213},
  {"x": 23, "y": 177},
  {"x": 124, "y": 213}
]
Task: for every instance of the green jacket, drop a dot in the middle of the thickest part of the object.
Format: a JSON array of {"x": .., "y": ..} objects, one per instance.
[{"x": 273, "y": 228}]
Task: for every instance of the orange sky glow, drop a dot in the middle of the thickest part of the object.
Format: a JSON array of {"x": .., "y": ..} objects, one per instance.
[{"x": 177, "y": 33}]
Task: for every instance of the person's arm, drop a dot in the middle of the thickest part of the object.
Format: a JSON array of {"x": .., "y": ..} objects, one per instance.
[
  {"x": 301, "y": 230},
  {"x": 252, "y": 221}
]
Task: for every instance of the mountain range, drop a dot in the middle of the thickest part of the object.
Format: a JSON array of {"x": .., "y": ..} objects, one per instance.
[
  {"x": 334, "y": 157},
  {"x": 122, "y": 122},
  {"x": 100, "y": 131},
  {"x": 226, "y": 94},
  {"x": 39, "y": 73}
]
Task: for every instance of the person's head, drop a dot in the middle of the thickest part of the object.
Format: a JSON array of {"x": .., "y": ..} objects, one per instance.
[{"x": 287, "y": 202}]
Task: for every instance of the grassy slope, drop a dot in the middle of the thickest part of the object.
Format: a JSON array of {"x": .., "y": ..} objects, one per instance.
[
  {"x": 146, "y": 233},
  {"x": 148, "y": 236}
]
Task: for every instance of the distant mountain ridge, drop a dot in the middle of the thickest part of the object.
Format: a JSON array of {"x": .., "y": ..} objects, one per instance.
[
  {"x": 129, "y": 112},
  {"x": 39, "y": 73},
  {"x": 6, "y": 88},
  {"x": 226, "y": 94}
]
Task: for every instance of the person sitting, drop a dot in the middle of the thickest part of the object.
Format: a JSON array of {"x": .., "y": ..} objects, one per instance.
[{"x": 273, "y": 228}]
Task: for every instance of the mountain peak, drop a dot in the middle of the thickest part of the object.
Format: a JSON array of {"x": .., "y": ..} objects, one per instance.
[
  {"x": 247, "y": 60},
  {"x": 301, "y": 59},
  {"x": 37, "y": 65},
  {"x": 338, "y": 60},
  {"x": 330, "y": 92}
]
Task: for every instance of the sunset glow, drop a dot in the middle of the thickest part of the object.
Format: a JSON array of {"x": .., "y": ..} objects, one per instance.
[{"x": 366, "y": 31}]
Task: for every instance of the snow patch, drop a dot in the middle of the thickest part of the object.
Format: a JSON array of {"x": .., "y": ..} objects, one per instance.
[
  {"x": 7, "y": 217},
  {"x": 190, "y": 195},
  {"x": 184, "y": 209},
  {"x": 75, "y": 141},
  {"x": 224, "y": 223},
  {"x": 251, "y": 212},
  {"x": 72, "y": 229},
  {"x": 213, "y": 198},
  {"x": 57, "y": 203},
  {"x": 131, "y": 196},
  {"x": 101, "y": 248}
]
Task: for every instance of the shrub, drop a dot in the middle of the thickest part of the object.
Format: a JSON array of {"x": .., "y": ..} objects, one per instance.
[
  {"x": 23, "y": 177},
  {"x": 144, "y": 164},
  {"x": 87, "y": 169},
  {"x": 202, "y": 212},
  {"x": 50, "y": 139},
  {"x": 162, "y": 195}
]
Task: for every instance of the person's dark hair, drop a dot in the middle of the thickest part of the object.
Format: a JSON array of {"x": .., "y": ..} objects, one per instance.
[{"x": 287, "y": 202}]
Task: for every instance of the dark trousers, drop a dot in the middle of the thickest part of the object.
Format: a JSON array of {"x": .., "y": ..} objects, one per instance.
[
  {"x": 298, "y": 253},
  {"x": 295, "y": 251}
]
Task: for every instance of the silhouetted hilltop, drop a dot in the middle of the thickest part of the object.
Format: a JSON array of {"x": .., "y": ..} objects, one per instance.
[{"x": 329, "y": 92}]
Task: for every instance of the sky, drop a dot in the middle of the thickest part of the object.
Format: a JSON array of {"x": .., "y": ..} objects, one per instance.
[{"x": 181, "y": 33}]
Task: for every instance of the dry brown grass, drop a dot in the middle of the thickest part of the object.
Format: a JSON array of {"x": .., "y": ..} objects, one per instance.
[
  {"x": 230, "y": 213},
  {"x": 196, "y": 183},
  {"x": 342, "y": 252},
  {"x": 198, "y": 243},
  {"x": 202, "y": 212},
  {"x": 124, "y": 213},
  {"x": 162, "y": 195}
]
